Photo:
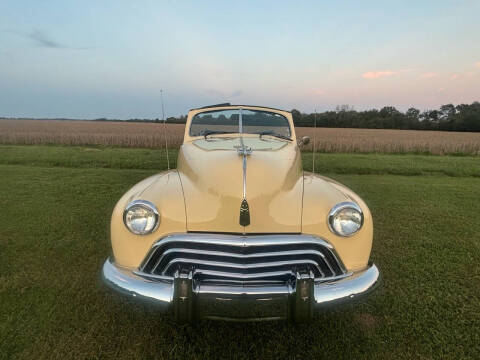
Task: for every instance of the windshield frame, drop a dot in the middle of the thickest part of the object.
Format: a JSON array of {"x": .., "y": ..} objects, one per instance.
[{"x": 287, "y": 115}]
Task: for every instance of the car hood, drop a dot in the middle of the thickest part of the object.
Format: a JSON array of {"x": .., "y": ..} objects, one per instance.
[{"x": 211, "y": 172}]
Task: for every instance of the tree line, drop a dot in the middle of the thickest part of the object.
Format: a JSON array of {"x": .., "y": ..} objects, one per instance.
[
  {"x": 464, "y": 117},
  {"x": 449, "y": 117},
  {"x": 172, "y": 120}
]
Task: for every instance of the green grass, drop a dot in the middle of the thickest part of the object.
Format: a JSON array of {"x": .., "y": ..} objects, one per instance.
[
  {"x": 55, "y": 204},
  {"x": 87, "y": 157},
  {"x": 155, "y": 159}
]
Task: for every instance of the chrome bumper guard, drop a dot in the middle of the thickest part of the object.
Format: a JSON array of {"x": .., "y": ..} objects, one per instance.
[{"x": 190, "y": 300}]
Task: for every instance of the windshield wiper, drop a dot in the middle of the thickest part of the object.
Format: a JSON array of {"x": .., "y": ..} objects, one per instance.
[
  {"x": 274, "y": 134},
  {"x": 207, "y": 132}
]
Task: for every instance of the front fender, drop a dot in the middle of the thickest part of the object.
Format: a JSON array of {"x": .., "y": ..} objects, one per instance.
[
  {"x": 320, "y": 195},
  {"x": 165, "y": 191}
]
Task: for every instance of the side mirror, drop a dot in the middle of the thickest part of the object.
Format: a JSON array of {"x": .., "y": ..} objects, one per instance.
[{"x": 304, "y": 141}]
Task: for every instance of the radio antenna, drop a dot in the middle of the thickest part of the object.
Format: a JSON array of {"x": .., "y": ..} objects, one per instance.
[
  {"x": 314, "y": 141},
  {"x": 165, "y": 129}
]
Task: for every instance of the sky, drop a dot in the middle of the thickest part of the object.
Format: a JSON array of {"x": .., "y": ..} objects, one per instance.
[{"x": 91, "y": 59}]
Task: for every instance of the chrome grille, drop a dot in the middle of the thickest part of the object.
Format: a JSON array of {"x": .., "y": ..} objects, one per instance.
[{"x": 236, "y": 258}]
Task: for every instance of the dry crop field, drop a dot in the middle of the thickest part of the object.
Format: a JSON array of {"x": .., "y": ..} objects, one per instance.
[
  {"x": 76, "y": 132},
  {"x": 150, "y": 135}
]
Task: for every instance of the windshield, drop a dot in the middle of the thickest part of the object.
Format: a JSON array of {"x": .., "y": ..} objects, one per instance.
[{"x": 240, "y": 121}]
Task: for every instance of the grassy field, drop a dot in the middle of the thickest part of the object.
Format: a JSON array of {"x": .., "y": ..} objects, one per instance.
[
  {"x": 55, "y": 209},
  {"x": 148, "y": 135}
]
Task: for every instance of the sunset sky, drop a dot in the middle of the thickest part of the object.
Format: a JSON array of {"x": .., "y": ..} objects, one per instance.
[{"x": 89, "y": 59}]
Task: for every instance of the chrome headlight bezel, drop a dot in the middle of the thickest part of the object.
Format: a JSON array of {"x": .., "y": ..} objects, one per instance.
[
  {"x": 147, "y": 205},
  {"x": 339, "y": 208}
]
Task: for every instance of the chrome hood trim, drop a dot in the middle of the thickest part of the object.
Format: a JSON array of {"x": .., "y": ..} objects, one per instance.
[{"x": 244, "y": 208}]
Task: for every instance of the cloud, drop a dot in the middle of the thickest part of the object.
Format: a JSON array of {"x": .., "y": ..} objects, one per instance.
[
  {"x": 378, "y": 74},
  {"x": 41, "y": 39},
  {"x": 454, "y": 77},
  {"x": 429, "y": 75},
  {"x": 477, "y": 64}
]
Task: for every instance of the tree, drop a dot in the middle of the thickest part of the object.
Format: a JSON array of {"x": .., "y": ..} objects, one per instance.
[
  {"x": 413, "y": 113},
  {"x": 447, "y": 111},
  {"x": 343, "y": 108},
  {"x": 297, "y": 116}
]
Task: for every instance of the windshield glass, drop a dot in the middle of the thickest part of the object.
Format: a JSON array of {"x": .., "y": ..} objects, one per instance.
[{"x": 240, "y": 121}]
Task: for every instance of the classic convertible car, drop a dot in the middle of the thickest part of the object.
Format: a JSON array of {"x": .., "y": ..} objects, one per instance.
[{"x": 239, "y": 231}]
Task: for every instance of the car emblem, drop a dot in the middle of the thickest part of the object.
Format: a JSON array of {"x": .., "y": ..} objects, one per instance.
[{"x": 244, "y": 213}]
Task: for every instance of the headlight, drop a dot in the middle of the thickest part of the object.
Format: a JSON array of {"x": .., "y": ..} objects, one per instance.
[
  {"x": 141, "y": 217},
  {"x": 345, "y": 218}
]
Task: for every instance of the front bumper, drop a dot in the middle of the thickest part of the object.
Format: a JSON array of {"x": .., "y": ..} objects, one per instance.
[{"x": 188, "y": 300}]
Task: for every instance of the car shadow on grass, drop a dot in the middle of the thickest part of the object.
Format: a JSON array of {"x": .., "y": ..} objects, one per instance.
[{"x": 345, "y": 331}]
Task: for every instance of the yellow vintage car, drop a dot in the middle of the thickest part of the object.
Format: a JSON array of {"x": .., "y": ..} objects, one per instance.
[{"x": 239, "y": 231}]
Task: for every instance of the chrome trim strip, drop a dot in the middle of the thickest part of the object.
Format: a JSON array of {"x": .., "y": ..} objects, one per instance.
[
  {"x": 244, "y": 240},
  {"x": 337, "y": 259},
  {"x": 240, "y": 121},
  {"x": 244, "y": 218},
  {"x": 240, "y": 266},
  {"x": 148, "y": 258},
  {"x": 244, "y": 174},
  {"x": 242, "y": 256},
  {"x": 231, "y": 277},
  {"x": 240, "y": 290},
  {"x": 153, "y": 276},
  {"x": 244, "y": 151}
]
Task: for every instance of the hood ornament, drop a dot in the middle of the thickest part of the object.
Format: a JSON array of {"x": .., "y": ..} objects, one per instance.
[
  {"x": 244, "y": 151},
  {"x": 244, "y": 208}
]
